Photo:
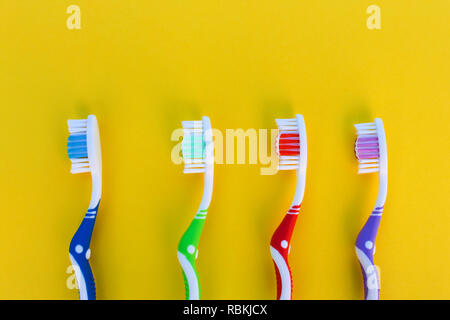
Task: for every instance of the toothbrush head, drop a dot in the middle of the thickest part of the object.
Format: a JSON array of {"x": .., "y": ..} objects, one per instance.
[
  {"x": 370, "y": 147},
  {"x": 83, "y": 146},
  {"x": 291, "y": 143},
  {"x": 197, "y": 146}
]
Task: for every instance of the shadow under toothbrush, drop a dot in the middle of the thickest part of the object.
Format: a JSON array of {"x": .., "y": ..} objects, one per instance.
[
  {"x": 271, "y": 205},
  {"x": 353, "y": 212},
  {"x": 174, "y": 223},
  {"x": 100, "y": 258},
  {"x": 58, "y": 122},
  {"x": 187, "y": 192}
]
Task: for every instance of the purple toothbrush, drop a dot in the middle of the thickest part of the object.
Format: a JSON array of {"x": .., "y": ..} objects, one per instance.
[{"x": 371, "y": 151}]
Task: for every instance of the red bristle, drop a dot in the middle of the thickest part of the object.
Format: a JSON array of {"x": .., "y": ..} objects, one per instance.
[
  {"x": 289, "y": 153},
  {"x": 289, "y": 144},
  {"x": 289, "y": 135}
]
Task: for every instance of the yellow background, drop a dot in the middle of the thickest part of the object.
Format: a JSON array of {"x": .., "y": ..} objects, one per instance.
[{"x": 143, "y": 66}]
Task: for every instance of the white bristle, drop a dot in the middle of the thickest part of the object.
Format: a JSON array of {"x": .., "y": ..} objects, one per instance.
[
  {"x": 77, "y": 126},
  {"x": 194, "y": 166},
  {"x": 77, "y": 123},
  {"x": 196, "y": 131},
  {"x": 287, "y": 124},
  {"x": 367, "y": 132},
  {"x": 194, "y": 160},
  {"x": 194, "y": 170},
  {"x": 191, "y": 124},
  {"x": 283, "y": 121},
  {"x": 79, "y": 170},
  {"x": 368, "y": 165},
  {"x": 368, "y": 170},
  {"x": 80, "y": 165},
  {"x": 280, "y": 167},
  {"x": 286, "y": 128},
  {"x": 77, "y": 130},
  {"x": 287, "y": 162},
  {"x": 367, "y": 124},
  {"x": 78, "y": 160},
  {"x": 369, "y": 161}
]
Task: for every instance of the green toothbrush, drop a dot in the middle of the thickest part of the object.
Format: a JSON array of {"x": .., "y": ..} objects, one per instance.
[{"x": 198, "y": 155}]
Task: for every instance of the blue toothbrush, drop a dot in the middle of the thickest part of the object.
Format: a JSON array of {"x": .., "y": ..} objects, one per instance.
[{"x": 85, "y": 154}]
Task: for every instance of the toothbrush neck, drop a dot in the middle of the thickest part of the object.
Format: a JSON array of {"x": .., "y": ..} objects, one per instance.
[
  {"x": 300, "y": 189},
  {"x": 207, "y": 189},
  {"x": 382, "y": 190},
  {"x": 96, "y": 191}
]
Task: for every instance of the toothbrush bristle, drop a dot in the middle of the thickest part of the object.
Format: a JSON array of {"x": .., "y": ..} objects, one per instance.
[
  {"x": 77, "y": 146},
  {"x": 367, "y": 148},
  {"x": 193, "y": 147},
  {"x": 288, "y": 144}
]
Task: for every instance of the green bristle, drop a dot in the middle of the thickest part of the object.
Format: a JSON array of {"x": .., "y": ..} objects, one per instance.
[{"x": 193, "y": 146}]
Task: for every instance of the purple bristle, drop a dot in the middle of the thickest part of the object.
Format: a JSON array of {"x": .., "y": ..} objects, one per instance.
[{"x": 367, "y": 148}]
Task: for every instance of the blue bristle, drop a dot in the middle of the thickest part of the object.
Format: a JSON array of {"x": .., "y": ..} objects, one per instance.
[
  {"x": 78, "y": 155},
  {"x": 77, "y": 146},
  {"x": 77, "y": 150},
  {"x": 77, "y": 137}
]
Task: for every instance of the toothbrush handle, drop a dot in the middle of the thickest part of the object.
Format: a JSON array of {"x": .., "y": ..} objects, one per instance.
[
  {"x": 79, "y": 253},
  {"x": 187, "y": 254},
  {"x": 279, "y": 249},
  {"x": 365, "y": 249}
]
